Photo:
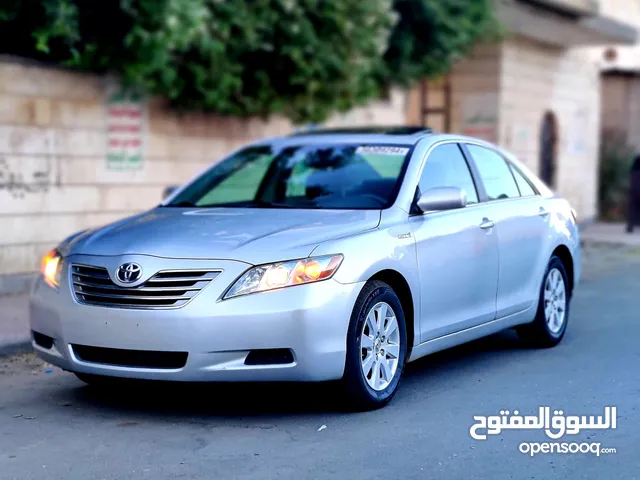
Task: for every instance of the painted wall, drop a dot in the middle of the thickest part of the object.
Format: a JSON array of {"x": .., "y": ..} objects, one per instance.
[{"x": 536, "y": 79}]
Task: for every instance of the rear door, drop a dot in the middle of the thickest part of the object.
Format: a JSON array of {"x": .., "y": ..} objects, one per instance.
[{"x": 522, "y": 228}]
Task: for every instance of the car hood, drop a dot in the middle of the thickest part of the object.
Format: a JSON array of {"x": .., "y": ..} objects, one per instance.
[{"x": 250, "y": 235}]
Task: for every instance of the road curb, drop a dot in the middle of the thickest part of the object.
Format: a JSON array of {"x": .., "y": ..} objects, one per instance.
[
  {"x": 15, "y": 348},
  {"x": 599, "y": 242}
]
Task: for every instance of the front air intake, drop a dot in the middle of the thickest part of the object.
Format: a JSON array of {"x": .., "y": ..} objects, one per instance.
[{"x": 270, "y": 356}]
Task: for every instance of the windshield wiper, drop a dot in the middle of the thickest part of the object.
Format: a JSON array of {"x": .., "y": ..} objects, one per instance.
[
  {"x": 181, "y": 204},
  {"x": 248, "y": 204},
  {"x": 267, "y": 204}
]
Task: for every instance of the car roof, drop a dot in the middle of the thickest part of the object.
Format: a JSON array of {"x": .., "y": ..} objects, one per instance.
[
  {"x": 394, "y": 135},
  {"x": 372, "y": 130}
]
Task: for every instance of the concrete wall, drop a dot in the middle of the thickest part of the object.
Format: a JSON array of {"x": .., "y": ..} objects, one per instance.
[
  {"x": 536, "y": 79},
  {"x": 475, "y": 84},
  {"x": 55, "y": 175}
]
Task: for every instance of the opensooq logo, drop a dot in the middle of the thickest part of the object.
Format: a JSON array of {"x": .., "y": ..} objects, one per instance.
[{"x": 555, "y": 426}]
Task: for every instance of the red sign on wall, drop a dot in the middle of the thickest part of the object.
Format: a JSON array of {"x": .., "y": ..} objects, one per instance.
[{"x": 125, "y": 130}]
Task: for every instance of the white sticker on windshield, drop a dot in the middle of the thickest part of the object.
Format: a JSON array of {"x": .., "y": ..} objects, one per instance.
[{"x": 380, "y": 150}]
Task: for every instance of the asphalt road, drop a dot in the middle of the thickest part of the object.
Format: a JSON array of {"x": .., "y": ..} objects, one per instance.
[{"x": 53, "y": 427}]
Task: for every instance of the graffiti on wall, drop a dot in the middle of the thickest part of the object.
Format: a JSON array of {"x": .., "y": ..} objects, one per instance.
[
  {"x": 480, "y": 116},
  {"x": 21, "y": 176},
  {"x": 125, "y": 128},
  {"x": 19, "y": 184}
]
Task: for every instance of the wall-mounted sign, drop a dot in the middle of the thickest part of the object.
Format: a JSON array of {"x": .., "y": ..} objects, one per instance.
[
  {"x": 126, "y": 119},
  {"x": 480, "y": 116}
]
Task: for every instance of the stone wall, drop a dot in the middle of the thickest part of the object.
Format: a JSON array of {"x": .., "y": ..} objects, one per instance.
[
  {"x": 537, "y": 79},
  {"x": 475, "y": 86},
  {"x": 58, "y": 174}
]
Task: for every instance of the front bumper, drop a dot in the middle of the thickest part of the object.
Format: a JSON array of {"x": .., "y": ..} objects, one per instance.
[{"x": 217, "y": 336}]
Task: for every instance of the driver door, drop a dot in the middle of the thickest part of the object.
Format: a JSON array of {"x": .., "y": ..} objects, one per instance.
[{"x": 457, "y": 252}]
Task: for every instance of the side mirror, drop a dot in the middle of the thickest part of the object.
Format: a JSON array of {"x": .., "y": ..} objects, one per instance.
[
  {"x": 442, "y": 198},
  {"x": 169, "y": 191}
]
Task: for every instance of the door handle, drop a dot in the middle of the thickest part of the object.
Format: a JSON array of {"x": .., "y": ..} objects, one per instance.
[
  {"x": 543, "y": 212},
  {"x": 486, "y": 223}
]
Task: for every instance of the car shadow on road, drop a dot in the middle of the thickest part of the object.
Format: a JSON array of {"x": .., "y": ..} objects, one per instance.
[{"x": 265, "y": 399}]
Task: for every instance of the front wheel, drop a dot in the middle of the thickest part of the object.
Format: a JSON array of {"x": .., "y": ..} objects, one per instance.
[{"x": 376, "y": 347}]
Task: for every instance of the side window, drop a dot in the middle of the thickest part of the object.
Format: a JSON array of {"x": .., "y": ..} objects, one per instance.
[
  {"x": 495, "y": 173},
  {"x": 526, "y": 190},
  {"x": 447, "y": 167}
]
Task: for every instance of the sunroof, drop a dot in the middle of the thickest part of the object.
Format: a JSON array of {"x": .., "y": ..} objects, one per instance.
[{"x": 399, "y": 130}]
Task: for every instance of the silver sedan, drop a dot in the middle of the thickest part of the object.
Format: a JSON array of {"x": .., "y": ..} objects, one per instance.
[{"x": 331, "y": 255}]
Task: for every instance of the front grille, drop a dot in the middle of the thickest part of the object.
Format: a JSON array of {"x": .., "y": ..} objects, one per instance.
[
  {"x": 166, "y": 289},
  {"x": 131, "y": 358}
]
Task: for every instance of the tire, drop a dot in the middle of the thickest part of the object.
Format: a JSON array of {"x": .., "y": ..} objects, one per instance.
[
  {"x": 375, "y": 297},
  {"x": 542, "y": 333}
]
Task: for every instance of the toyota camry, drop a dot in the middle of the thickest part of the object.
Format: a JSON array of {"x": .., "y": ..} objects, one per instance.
[{"x": 331, "y": 255}]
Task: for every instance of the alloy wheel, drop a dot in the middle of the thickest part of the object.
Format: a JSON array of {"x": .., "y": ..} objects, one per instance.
[
  {"x": 380, "y": 346},
  {"x": 555, "y": 301}
]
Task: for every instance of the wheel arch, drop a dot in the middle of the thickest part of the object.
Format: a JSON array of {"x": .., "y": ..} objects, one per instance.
[
  {"x": 564, "y": 254},
  {"x": 401, "y": 287}
]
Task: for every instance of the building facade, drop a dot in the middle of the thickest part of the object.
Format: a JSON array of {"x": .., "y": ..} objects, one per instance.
[
  {"x": 620, "y": 82},
  {"x": 537, "y": 93}
]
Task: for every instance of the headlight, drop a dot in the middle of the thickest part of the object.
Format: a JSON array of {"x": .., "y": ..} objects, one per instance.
[
  {"x": 285, "y": 274},
  {"x": 52, "y": 267}
]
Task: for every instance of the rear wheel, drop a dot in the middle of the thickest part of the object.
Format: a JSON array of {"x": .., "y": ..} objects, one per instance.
[
  {"x": 550, "y": 324},
  {"x": 376, "y": 347}
]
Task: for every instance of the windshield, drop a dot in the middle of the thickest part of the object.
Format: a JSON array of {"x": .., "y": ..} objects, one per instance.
[{"x": 306, "y": 176}]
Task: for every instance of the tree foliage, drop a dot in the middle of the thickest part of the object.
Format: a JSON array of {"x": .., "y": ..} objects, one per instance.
[
  {"x": 616, "y": 158},
  {"x": 304, "y": 59}
]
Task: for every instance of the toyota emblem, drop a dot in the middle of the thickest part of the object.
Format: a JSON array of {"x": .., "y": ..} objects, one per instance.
[{"x": 129, "y": 272}]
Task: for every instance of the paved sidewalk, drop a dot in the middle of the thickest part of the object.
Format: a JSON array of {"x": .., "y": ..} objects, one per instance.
[
  {"x": 610, "y": 233},
  {"x": 607, "y": 246}
]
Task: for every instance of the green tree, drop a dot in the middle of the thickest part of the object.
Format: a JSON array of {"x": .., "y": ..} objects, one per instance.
[
  {"x": 616, "y": 158},
  {"x": 304, "y": 59}
]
